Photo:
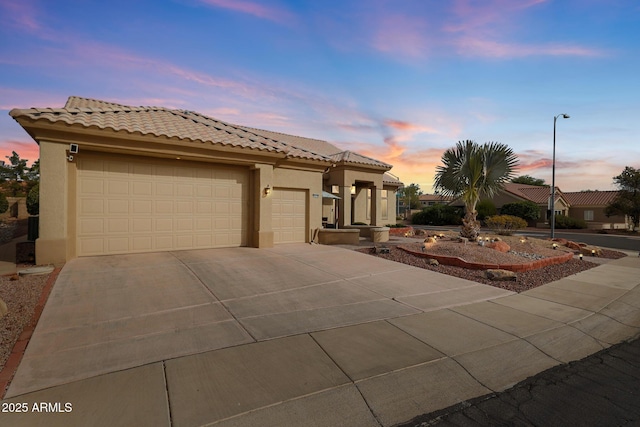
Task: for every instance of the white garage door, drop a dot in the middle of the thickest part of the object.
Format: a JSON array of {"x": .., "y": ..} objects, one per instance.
[
  {"x": 289, "y": 216},
  {"x": 127, "y": 205}
]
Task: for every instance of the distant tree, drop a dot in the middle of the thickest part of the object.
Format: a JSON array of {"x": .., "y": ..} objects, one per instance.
[
  {"x": 470, "y": 171},
  {"x": 529, "y": 180},
  {"x": 526, "y": 210},
  {"x": 410, "y": 195},
  {"x": 16, "y": 178},
  {"x": 627, "y": 202}
]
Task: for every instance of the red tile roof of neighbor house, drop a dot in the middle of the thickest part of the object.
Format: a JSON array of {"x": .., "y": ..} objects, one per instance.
[
  {"x": 434, "y": 198},
  {"x": 590, "y": 198},
  {"x": 189, "y": 126},
  {"x": 537, "y": 194}
]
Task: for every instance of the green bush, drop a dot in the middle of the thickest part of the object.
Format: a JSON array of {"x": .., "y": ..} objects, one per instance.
[
  {"x": 568, "y": 222},
  {"x": 485, "y": 209},
  {"x": 359, "y": 223},
  {"x": 438, "y": 215},
  {"x": 528, "y": 211},
  {"x": 398, "y": 225},
  {"x": 4, "y": 203},
  {"x": 33, "y": 200},
  {"x": 505, "y": 224}
]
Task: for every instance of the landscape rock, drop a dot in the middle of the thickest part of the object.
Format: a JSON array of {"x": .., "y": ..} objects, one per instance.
[
  {"x": 429, "y": 242},
  {"x": 3, "y": 308},
  {"x": 575, "y": 246},
  {"x": 497, "y": 274},
  {"x": 433, "y": 261},
  {"x": 588, "y": 250},
  {"x": 463, "y": 240},
  {"x": 499, "y": 246},
  {"x": 421, "y": 232}
]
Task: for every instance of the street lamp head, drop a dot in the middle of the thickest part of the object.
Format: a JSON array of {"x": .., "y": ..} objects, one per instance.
[{"x": 565, "y": 116}]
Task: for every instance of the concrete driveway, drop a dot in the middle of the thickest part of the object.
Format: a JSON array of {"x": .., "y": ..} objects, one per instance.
[
  {"x": 299, "y": 334},
  {"x": 111, "y": 313}
]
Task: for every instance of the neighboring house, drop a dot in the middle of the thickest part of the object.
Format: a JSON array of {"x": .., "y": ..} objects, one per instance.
[
  {"x": 433, "y": 199},
  {"x": 585, "y": 205},
  {"x": 118, "y": 179},
  {"x": 590, "y": 206}
]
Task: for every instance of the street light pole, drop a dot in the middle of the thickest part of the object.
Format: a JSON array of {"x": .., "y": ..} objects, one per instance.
[{"x": 553, "y": 177}]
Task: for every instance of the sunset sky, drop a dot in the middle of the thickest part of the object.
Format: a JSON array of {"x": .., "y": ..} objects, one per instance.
[{"x": 400, "y": 81}]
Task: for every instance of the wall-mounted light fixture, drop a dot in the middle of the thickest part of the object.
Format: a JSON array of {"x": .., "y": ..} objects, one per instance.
[
  {"x": 267, "y": 190},
  {"x": 353, "y": 189}
]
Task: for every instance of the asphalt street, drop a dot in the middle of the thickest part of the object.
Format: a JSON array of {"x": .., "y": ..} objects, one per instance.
[{"x": 600, "y": 390}]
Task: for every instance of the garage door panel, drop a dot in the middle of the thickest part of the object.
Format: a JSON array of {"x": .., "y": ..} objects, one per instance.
[
  {"x": 289, "y": 215},
  {"x": 127, "y": 204}
]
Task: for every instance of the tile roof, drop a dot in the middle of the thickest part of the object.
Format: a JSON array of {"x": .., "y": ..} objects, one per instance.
[
  {"x": 590, "y": 198},
  {"x": 190, "y": 126},
  {"x": 435, "y": 198},
  {"x": 158, "y": 121},
  {"x": 388, "y": 178},
  {"x": 322, "y": 147},
  {"x": 534, "y": 193}
]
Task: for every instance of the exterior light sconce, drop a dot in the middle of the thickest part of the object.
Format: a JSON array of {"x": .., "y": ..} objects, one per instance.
[
  {"x": 353, "y": 189},
  {"x": 267, "y": 190}
]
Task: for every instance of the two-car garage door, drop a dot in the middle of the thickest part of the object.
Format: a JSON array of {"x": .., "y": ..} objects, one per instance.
[{"x": 127, "y": 205}]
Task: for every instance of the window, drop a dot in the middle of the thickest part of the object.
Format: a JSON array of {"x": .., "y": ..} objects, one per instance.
[
  {"x": 384, "y": 204},
  {"x": 588, "y": 215}
]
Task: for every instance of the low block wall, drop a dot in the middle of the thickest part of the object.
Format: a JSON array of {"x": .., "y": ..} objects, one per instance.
[
  {"x": 459, "y": 262},
  {"x": 342, "y": 236},
  {"x": 380, "y": 234}
]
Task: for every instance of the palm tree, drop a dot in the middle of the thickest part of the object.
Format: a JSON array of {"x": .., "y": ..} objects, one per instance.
[{"x": 471, "y": 171}]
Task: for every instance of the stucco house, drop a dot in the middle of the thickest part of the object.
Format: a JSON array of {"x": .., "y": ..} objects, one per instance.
[
  {"x": 119, "y": 179},
  {"x": 590, "y": 206},
  {"x": 586, "y": 205}
]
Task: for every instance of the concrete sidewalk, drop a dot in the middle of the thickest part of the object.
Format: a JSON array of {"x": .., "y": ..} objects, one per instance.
[{"x": 299, "y": 335}]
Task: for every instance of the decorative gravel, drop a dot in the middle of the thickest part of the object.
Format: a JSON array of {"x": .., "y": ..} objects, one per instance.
[
  {"x": 525, "y": 281},
  {"x": 21, "y": 297}
]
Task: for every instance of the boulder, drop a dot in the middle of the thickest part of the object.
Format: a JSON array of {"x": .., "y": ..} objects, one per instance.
[
  {"x": 499, "y": 246},
  {"x": 420, "y": 232},
  {"x": 429, "y": 242},
  {"x": 433, "y": 262},
  {"x": 497, "y": 274},
  {"x": 590, "y": 250},
  {"x": 575, "y": 246},
  {"x": 3, "y": 308}
]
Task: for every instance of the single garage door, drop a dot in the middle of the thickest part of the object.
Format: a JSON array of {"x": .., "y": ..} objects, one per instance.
[
  {"x": 289, "y": 216},
  {"x": 127, "y": 205}
]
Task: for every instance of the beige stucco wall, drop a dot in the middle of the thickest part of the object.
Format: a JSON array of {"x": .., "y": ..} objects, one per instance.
[
  {"x": 262, "y": 231},
  {"x": 17, "y": 208},
  {"x": 51, "y": 245}
]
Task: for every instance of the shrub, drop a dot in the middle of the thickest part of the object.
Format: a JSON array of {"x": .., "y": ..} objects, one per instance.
[
  {"x": 527, "y": 210},
  {"x": 568, "y": 222},
  {"x": 485, "y": 209},
  {"x": 438, "y": 215},
  {"x": 359, "y": 223},
  {"x": 33, "y": 200},
  {"x": 398, "y": 225},
  {"x": 505, "y": 224},
  {"x": 4, "y": 203}
]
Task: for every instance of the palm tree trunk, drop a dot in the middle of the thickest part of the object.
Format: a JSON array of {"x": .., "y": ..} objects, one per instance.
[{"x": 470, "y": 226}]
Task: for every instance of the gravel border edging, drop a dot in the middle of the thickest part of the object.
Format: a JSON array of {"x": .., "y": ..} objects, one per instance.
[{"x": 11, "y": 366}]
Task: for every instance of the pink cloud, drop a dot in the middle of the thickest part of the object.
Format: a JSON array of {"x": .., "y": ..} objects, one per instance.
[
  {"x": 474, "y": 46},
  {"x": 27, "y": 149},
  {"x": 403, "y": 35},
  {"x": 258, "y": 10},
  {"x": 19, "y": 14}
]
